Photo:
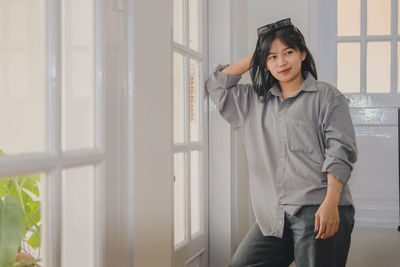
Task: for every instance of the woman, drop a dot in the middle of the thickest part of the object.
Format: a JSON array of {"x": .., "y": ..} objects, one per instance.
[{"x": 301, "y": 148}]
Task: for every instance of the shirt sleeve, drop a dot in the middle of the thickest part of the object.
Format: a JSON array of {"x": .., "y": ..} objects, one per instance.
[
  {"x": 340, "y": 139},
  {"x": 233, "y": 100}
]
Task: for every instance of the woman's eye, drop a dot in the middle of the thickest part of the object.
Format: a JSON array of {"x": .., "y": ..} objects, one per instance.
[{"x": 289, "y": 52}]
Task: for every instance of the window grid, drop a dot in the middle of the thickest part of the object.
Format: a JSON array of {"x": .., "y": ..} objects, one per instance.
[
  {"x": 53, "y": 159},
  {"x": 364, "y": 39},
  {"x": 187, "y": 146}
]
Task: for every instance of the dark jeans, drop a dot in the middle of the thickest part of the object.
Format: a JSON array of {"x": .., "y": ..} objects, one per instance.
[{"x": 298, "y": 243}]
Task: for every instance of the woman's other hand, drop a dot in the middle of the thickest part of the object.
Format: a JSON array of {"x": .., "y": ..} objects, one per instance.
[{"x": 327, "y": 219}]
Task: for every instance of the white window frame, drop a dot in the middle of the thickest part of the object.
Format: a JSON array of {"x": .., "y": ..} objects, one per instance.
[
  {"x": 323, "y": 44},
  {"x": 53, "y": 160},
  {"x": 202, "y": 146}
]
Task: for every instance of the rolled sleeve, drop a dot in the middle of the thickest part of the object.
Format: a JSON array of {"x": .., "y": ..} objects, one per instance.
[
  {"x": 340, "y": 139},
  {"x": 232, "y": 99}
]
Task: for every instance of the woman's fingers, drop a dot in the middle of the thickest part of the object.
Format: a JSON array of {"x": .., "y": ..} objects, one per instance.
[
  {"x": 316, "y": 224},
  {"x": 330, "y": 230},
  {"x": 321, "y": 226},
  {"x": 321, "y": 230}
]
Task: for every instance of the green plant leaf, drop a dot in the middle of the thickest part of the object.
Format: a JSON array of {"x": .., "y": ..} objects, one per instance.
[
  {"x": 33, "y": 217},
  {"x": 34, "y": 240},
  {"x": 31, "y": 183},
  {"x": 3, "y": 187},
  {"x": 8, "y": 187},
  {"x": 11, "y": 229}
]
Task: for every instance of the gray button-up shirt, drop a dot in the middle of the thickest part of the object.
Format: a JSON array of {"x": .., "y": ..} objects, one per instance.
[{"x": 290, "y": 143}]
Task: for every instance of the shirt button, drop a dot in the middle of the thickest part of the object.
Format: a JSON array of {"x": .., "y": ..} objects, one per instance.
[
  {"x": 281, "y": 139},
  {"x": 280, "y": 200}
]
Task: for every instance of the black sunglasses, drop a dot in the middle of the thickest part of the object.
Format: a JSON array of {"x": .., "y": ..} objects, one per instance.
[{"x": 274, "y": 26}]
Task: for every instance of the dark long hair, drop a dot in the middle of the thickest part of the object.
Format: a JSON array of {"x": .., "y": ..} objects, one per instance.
[{"x": 262, "y": 78}]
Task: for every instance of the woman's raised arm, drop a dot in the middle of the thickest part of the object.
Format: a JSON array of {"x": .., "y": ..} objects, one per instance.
[
  {"x": 233, "y": 100},
  {"x": 240, "y": 66}
]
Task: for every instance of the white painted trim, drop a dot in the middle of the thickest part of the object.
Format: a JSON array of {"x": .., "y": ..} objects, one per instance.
[
  {"x": 194, "y": 257},
  {"x": 363, "y": 46},
  {"x": 81, "y": 157},
  {"x": 99, "y": 77},
  {"x": 36, "y": 162},
  {"x": 234, "y": 140},
  {"x": 53, "y": 218},
  {"x": 130, "y": 36},
  {"x": 100, "y": 111},
  {"x": 191, "y": 244},
  {"x": 25, "y": 164},
  {"x": 373, "y": 38},
  {"x": 220, "y": 194},
  {"x": 205, "y": 127},
  {"x": 53, "y": 205},
  {"x": 100, "y": 214},
  {"x": 188, "y": 147},
  {"x": 187, "y": 51},
  {"x": 395, "y": 38}
]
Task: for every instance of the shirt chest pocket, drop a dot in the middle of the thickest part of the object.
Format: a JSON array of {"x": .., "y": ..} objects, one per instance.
[{"x": 302, "y": 136}]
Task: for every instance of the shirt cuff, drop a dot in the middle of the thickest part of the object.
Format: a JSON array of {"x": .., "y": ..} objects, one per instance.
[
  {"x": 226, "y": 80},
  {"x": 340, "y": 170}
]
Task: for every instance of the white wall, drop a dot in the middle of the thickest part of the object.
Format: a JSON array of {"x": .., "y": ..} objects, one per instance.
[{"x": 153, "y": 173}]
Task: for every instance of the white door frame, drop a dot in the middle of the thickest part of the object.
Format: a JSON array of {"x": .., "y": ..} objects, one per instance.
[{"x": 221, "y": 167}]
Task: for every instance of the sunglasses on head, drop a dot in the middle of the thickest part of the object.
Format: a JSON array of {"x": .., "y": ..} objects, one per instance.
[{"x": 274, "y": 26}]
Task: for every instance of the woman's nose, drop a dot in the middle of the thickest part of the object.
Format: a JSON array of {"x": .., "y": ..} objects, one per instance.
[{"x": 281, "y": 61}]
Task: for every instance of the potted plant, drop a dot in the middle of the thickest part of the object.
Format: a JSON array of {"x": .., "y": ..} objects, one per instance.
[{"x": 19, "y": 220}]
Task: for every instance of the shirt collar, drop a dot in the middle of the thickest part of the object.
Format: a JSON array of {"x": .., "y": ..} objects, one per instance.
[{"x": 307, "y": 85}]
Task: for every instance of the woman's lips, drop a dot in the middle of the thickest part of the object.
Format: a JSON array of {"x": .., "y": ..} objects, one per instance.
[{"x": 285, "y": 71}]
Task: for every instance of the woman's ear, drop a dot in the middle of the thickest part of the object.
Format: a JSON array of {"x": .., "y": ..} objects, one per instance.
[{"x": 303, "y": 55}]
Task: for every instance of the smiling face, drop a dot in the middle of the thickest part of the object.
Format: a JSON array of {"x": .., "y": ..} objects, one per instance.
[{"x": 284, "y": 62}]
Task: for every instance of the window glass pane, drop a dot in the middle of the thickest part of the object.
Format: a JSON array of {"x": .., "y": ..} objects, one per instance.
[
  {"x": 398, "y": 16},
  {"x": 23, "y": 97},
  {"x": 398, "y": 66},
  {"x": 348, "y": 67},
  {"x": 378, "y": 67},
  {"x": 78, "y": 68},
  {"x": 196, "y": 190},
  {"x": 179, "y": 198},
  {"x": 178, "y": 18},
  {"x": 194, "y": 25},
  {"x": 179, "y": 100},
  {"x": 378, "y": 17},
  {"x": 78, "y": 216},
  {"x": 194, "y": 101},
  {"x": 348, "y": 17},
  {"x": 21, "y": 209}
]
